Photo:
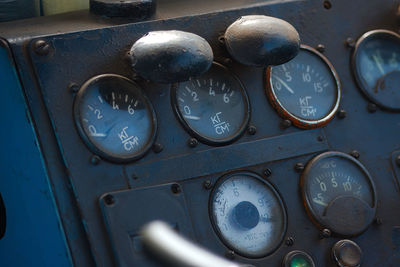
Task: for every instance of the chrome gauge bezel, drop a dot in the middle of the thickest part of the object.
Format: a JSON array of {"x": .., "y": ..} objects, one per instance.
[
  {"x": 78, "y": 120},
  {"x": 199, "y": 136},
  {"x": 304, "y": 181},
  {"x": 283, "y": 112},
  {"x": 356, "y": 73},
  {"x": 274, "y": 191}
]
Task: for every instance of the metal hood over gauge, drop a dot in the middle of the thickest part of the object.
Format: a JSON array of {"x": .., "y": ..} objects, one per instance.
[
  {"x": 305, "y": 90},
  {"x": 339, "y": 193}
]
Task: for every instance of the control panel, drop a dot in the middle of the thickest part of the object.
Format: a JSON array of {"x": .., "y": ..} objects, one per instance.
[{"x": 267, "y": 133}]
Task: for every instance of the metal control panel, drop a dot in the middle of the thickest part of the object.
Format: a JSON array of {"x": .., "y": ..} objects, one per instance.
[{"x": 270, "y": 166}]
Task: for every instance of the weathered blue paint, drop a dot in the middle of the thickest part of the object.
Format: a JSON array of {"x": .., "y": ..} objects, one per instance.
[{"x": 34, "y": 235}]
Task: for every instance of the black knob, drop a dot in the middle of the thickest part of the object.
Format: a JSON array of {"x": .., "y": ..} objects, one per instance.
[
  {"x": 170, "y": 56},
  {"x": 262, "y": 41},
  {"x": 346, "y": 253},
  {"x": 134, "y": 9}
]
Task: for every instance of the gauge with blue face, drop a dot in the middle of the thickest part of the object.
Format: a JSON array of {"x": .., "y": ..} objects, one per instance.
[
  {"x": 248, "y": 214},
  {"x": 376, "y": 66},
  {"x": 214, "y": 107},
  {"x": 115, "y": 118},
  {"x": 305, "y": 90}
]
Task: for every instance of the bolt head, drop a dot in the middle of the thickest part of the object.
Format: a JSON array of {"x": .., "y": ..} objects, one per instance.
[
  {"x": 192, "y": 142},
  {"x": 320, "y": 48},
  {"x": 252, "y": 130},
  {"x": 207, "y": 184},
  {"x": 372, "y": 107},
  {"x": 378, "y": 221},
  {"x": 176, "y": 189},
  {"x": 299, "y": 167},
  {"x": 286, "y": 124},
  {"x": 342, "y": 113},
  {"x": 350, "y": 43},
  {"x": 326, "y": 233},
  {"x": 230, "y": 254},
  {"x": 95, "y": 160},
  {"x": 289, "y": 241},
  {"x": 157, "y": 147},
  {"x": 41, "y": 47},
  {"x": 267, "y": 172},
  {"x": 109, "y": 200},
  {"x": 398, "y": 160},
  {"x": 355, "y": 154}
]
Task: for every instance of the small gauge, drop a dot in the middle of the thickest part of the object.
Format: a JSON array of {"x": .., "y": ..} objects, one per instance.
[
  {"x": 339, "y": 193},
  {"x": 214, "y": 107},
  {"x": 376, "y": 66},
  {"x": 115, "y": 118},
  {"x": 305, "y": 90},
  {"x": 248, "y": 214}
]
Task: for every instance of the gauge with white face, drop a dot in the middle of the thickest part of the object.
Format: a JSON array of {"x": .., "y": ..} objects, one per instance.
[
  {"x": 248, "y": 214},
  {"x": 305, "y": 90}
]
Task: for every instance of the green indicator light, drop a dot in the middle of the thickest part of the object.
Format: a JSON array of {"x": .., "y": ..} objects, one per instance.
[{"x": 299, "y": 261}]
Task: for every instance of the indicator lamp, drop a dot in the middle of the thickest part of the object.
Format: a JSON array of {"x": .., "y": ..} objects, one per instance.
[{"x": 298, "y": 258}]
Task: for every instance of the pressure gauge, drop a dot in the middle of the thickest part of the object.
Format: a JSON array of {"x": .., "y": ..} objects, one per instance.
[
  {"x": 115, "y": 118},
  {"x": 339, "y": 193},
  {"x": 248, "y": 214},
  {"x": 376, "y": 66},
  {"x": 214, "y": 107},
  {"x": 305, "y": 90}
]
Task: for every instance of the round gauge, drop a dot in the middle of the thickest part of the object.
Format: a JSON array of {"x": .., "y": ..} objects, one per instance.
[
  {"x": 214, "y": 107},
  {"x": 305, "y": 90},
  {"x": 115, "y": 118},
  {"x": 248, "y": 214},
  {"x": 339, "y": 193},
  {"x": 376, "y": 66}
]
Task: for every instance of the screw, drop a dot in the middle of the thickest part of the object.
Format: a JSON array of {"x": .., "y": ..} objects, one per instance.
[
  {"x": 157, "y": 147},
  {"x": 320, "y": 138},
  {"x": 398, "y": 160},
  {"x": 350, "y": 43},
  {"x": 320, "y": 48},
  {"x": 227, "y": 61},
  {"x": 73, "y": 87},
  {"x": 207, "y": 184},
  {"x": 325, "y": 233},
  {"x": 41, "y": 47},
  {"x": 286, "y": 124},
  {"x": 192, "y": 142},
  {"x": 267, "y": 172},
  {"x": 355, "y": 154},
  {"x": 134, "y": 177},
  {"x": 109, "y": 200},
  {"x": 221, "y": 39},
  {"x": 342, "y": 113},
  {"x": 289, "y": 241},
  {"x": 176, "y": 189},
  {"x": 378, "y": 221},
  {"x": 327, "y": 5},
  {"x": 230, "y": 254},
  {"x": 252, "y": 130},
  {"x": 95, "y": 160},
  {"x": 372, "y": 107},
  {"x": 299, "y": 167}
]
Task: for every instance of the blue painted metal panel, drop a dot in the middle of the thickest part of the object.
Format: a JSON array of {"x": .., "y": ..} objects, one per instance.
[{"x": 34, "y": 235}]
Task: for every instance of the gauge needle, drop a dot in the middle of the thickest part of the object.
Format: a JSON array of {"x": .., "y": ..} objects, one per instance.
[
  {"x": 284, "y": 84},
  {"x": 378, "y": 63},
  {"x": 192, "y": 117},
  {"x": 320, "y": 202}
]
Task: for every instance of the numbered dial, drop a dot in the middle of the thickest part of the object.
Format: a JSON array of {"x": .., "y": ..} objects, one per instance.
[
  {"x": 334, "y": 182},
  {"x": 248, "y": 214},
  {"x": 115, "y": 118},
  {"x": 376, "y": 65},
  {"x": 306, "y": 90},
  {"x": 214, "y": 107}
]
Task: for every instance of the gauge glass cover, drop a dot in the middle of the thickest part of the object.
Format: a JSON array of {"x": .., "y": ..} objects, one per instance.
[
  {"x": 305, "y": 90},
  {"x": 332, "y": 177},
  {"x": 214, "y": 107},
  {"x": 376, "y": 65},
  {"x": 115, "y": 118},
  {"x": 248, "y": 214}
]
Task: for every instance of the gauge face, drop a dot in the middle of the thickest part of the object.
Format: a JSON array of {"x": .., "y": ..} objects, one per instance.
[
  {"x": 115, "y": 118},
  {"x": 376, "y": 65},
  {"x": 248, "y": 214},
  {"x": 214, "y": 107},
  {"x": 305, "y": 90},
  {"x": 338, "y": 190}
]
